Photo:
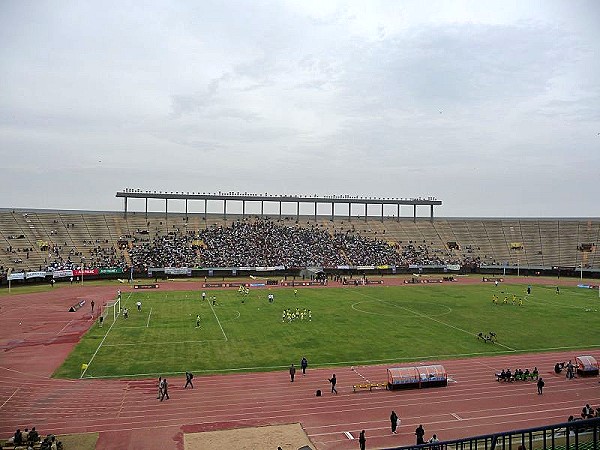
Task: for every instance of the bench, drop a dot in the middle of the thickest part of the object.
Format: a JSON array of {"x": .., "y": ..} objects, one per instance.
[
  {"x": 523, "y": 377},
  {"x": 369, "y": 386},
  {"x": 5, "y": 445}
]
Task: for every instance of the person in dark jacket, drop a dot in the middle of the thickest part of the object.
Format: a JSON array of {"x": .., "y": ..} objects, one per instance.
[
  {"x": 362, "y": 440},
  {"x": 540, "y": 385},
  {"x": 189, "y": 376},
  {"x": 394, "y": 421},
  {"x": 333, "y": 381},
  {"x": 304, "y": 365},
  {"x": 420, "y": 433}
]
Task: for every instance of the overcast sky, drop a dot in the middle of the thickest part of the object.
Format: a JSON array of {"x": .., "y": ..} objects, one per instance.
[{"x": 492, "y": 107}]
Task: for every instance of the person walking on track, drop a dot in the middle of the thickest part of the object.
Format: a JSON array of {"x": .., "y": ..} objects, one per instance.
[
  {"x": 333, "y": 381},
  {"x": 394, "y": 421}
]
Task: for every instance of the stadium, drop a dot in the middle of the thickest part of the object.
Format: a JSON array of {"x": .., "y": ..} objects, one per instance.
[
  {"x": 374, "y": 295},
  {"x": 299, "y": 225}
]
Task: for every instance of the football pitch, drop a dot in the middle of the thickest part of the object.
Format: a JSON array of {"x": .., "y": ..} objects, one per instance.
[{"x": 348, "y": 326}]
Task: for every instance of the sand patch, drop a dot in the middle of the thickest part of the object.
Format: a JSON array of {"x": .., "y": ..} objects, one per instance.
[{"x": 288, "y": 437}]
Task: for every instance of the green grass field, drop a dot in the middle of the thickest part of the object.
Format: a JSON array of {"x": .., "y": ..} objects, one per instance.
[{"x": 350, "y": 326}]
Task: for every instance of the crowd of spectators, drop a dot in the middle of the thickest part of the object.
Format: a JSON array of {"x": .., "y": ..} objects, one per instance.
[
  {"x": 251, "y": 242},
  {"x": 265, "y": 242},
  {"x": 173, "y": 249}
]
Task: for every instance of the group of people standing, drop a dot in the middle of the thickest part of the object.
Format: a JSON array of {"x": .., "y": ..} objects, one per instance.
[
  {"x": 163, "y": 386},
  {"x": 303, "y": 366},
  {"x": 163, "y": 389},
  {"x": 569, "y": 367},
  {"x": 395, "y": 423}
]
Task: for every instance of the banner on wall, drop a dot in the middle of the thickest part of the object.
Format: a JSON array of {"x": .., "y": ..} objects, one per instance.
[
  {"x": 62, "y": 274},
  {"x": 110, "y": 270},
  {"x": 178, "y": 271},
  {"x": 29, "y": 275},
  {"x": 77, "y": 272}
]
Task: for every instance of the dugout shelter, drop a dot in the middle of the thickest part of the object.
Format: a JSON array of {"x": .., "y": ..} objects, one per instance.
[
  {"x": 417, "y": 376},
  {"x": 586, "y": 365}
]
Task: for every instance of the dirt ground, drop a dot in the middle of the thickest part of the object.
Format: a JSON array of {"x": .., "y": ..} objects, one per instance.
[{"x": 288, "y": 437}]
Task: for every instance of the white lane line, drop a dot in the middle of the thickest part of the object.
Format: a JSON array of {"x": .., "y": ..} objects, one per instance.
[
  {"x": 456, "y": 416},
  {"x": 7, "y": 400},
  {"x": 68, "y": 323}
]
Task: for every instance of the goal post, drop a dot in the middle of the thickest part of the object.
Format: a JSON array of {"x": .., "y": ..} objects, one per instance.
[{"x": 110, "y": 310}]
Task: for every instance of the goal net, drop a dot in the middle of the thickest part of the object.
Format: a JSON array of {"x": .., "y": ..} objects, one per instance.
[{"x": 110, "y": 311}]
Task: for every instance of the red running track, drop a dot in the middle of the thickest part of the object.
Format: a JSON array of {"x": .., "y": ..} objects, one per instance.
[{"x": 127, "y": 414}]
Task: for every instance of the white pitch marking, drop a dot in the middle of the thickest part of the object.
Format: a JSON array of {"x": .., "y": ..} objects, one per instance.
[
  {"x": 149, "y": 314},
  {"x": 218, "y": 321},
  {"x": 99, "y": 345}
]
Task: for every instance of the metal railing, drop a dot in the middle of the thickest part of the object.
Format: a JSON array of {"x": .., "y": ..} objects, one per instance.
[{"x": 574, "y": 435}]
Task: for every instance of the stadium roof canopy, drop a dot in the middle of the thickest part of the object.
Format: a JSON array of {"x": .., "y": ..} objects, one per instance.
[{"x": 280, "y": 199}]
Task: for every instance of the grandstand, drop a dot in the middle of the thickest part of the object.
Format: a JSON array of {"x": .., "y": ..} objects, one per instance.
[
  {"x": 94, "y": 242},
  {"x": 32, "y": 240}
]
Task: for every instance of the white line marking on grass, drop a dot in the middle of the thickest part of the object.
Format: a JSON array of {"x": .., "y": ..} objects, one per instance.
[
  {"x": 149, "y": 314},
  {"x": 425, "y": 316},
  {"x": 8, "y": 399},
  {"x": 385, "y": 314},
  {"x": 218, "y": 321},
  {"x": 162, "y": 343},
  {"x": 456, "y": 416},
  {"x": 349, "y": 435},
  {"x": 99, "y": 345},
  {"x": 235, "y": 318}
]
